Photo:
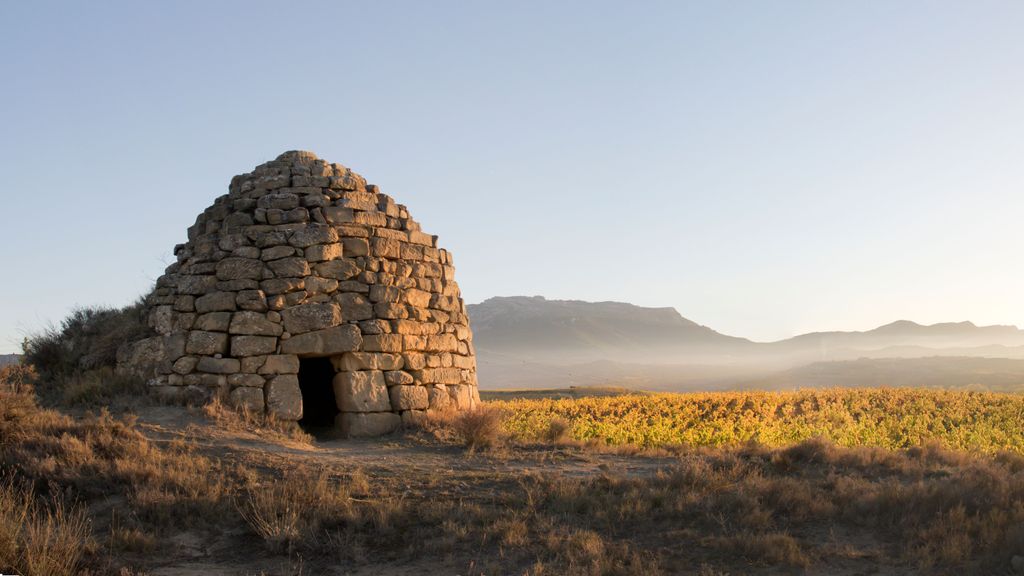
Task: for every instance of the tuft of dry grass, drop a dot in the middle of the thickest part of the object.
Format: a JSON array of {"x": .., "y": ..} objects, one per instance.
[
  {"x": 18, "y": 378},
  {"x": 291, "y": 510},
  {"x": 771, "y": 548},
  {"x": 481, "y": 427},
  {"x": 559, "y": 431},
  {"x": 264, "y": 424},
  {"x": 37, "y": 539},
  {"x": 101, "y": 387}
]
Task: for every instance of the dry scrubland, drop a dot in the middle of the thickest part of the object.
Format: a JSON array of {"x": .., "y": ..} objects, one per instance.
[{"x": 521, "y": 487}]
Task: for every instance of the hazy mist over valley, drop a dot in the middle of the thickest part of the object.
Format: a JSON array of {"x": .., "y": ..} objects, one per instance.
[{"x": 534, "y": 342}]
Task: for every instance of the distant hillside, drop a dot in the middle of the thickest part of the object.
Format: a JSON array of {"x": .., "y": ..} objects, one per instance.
[
  {"x": 540, "y": 327},
  {"x": 905, "y": 333},
  {"x": 522, "y": 325},
  {"x": 532, "y": 341},
  {"x": 6, "y": 359}
]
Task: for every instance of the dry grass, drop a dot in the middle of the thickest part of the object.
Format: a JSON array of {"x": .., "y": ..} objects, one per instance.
[
  {"x": 18, "y": 378},
  {"x": 38, "y": 539},
  {"x": 291, "y": 511},
  {"x": 263, "y": 424},
  {"x": 481, "y": 427},
  {"x": 102, "y": 387},
  {"x": 739, "y": 510},
  {"x": 95, "y": 458}
]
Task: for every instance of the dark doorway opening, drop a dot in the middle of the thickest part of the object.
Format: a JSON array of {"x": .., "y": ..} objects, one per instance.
[{"x": 316, "y": 376}]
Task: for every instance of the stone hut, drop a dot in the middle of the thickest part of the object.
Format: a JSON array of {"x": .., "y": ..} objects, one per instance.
[{"x": 307, "y": 293}]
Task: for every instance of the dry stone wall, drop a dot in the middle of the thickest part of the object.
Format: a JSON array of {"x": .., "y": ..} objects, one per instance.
[{"x": 302, "y": 258}]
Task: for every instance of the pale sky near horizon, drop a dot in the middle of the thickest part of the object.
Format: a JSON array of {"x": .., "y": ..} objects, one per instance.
[{"x": 767, "y": 168}]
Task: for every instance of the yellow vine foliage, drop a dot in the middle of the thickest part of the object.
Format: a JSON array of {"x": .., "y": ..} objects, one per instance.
[{"x": 883, "y": 417}]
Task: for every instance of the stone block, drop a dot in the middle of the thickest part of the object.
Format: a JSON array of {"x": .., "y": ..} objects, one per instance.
[
  {"x": 382, "y": 343},
  {"x": 342, "y": 269},
  {"x": 280, "y": 364},
  {"x": 252, "y": 364},
  {"x": 213, "y": 322},
  {"x": 184, "y": 365},
  {"x": 361, "y": 391},
  {"x": 417, "y": 298},
  {"x": 324, "y": 342},
  {"x": 371, "y": 219},
  {"x": 388, "y": 294},
  {"x": 406, "y": 327},
  {"x": 422, "y": 239},
  {"x": 390, "y": 311},
  {"x": 196, "y": 285},
  {"x": 247, "y": 398},
  {"x": 354, "y": 247},
  {"x": 215, "y": 302},
  {"x": 396, "y": 377},
  {"x": 237, "y": 285},
  {"x": 280, "y": 201},
  {"x": 386, "y": 248},
  {"x": 283, "y": 397},
  {"x": 408, "y": 397},
  {"x": 206, "y": 343},
  {"x": 310, "y": 317},
  {"x": 292, "y": 267},
  {"x": 439, "y": 375},
  {"x": 463, "y": 397},
  {"x": 414, "y": 361},
  {"x": 321, "y": 252},
  {"x": 438, "y": 397},
  {"x": 351, "y": 361},
  {"x": 250, "y": 252},
  {"x": 318, "y": 285},
  {"x": 251, "y": 300},
  {"x": 414, "y": 418},
  {"x": 239, "y": 269},
  {"x": 277, "y": 253},
  {"x": 281, "y": 286},
  {"x": 375, "y": 326},
  {"x": 313, "y": 234},
  {"x": 212, "y": 365},
  {"x": 252, "y": 345},
  {"x": 354, "y": 306},
  {"x": 252, "y": 380},
  {"x": 253, "y": 324},
  {"x": 442, "y": 343},
  {"x": 185, "y": 304},
  {"x": 335, "y": 215}
]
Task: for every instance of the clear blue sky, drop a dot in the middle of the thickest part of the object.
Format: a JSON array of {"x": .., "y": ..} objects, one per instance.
[{"x": 767, "y": 168}]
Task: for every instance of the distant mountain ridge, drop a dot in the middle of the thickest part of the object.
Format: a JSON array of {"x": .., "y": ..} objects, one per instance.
[
  {"x": 6, "y": 359},
  {"x": 906, "y": 333},
  {"x": 535, "y": 342},
  {"x": 526, "y": 323}
]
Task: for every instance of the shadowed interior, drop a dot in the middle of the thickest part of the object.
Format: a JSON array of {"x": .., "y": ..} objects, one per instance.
[{"x": 318, "y": 403}]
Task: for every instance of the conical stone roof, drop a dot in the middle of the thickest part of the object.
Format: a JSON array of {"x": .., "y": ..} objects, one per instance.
[{"x": 302, "y": 260}]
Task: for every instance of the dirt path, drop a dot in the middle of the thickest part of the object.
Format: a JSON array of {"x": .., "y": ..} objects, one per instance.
[{"x": 395, "y": 455}]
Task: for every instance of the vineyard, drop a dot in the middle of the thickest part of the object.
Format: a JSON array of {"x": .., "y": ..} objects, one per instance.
[{"x": 888, "y": 418}]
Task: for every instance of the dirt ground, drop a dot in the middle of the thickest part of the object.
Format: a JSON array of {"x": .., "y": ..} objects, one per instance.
[{"x": 416, "y": 469}]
